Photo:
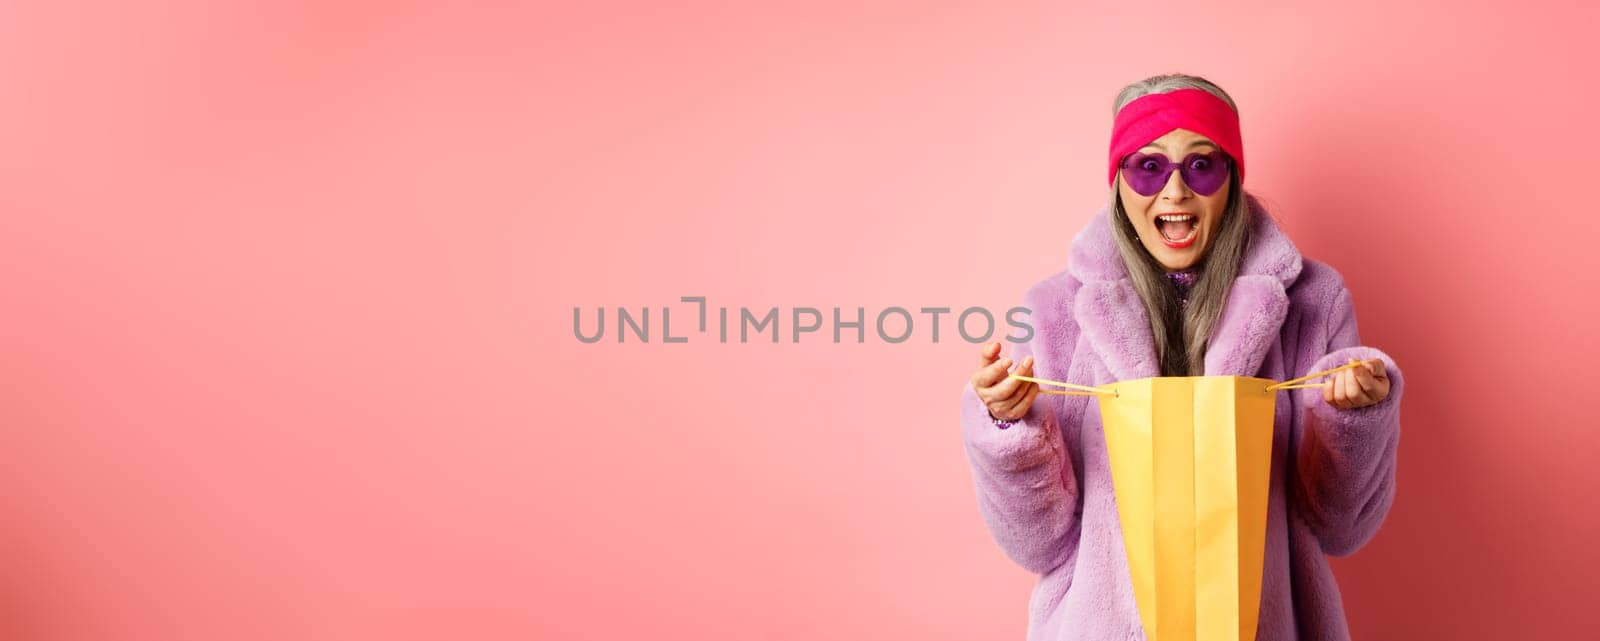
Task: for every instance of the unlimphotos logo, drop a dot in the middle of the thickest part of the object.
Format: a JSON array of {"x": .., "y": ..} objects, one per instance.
[{"x": 893, "y": 324}]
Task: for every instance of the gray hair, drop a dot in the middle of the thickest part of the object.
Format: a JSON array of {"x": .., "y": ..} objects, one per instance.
[{"x": 1183, "y": 334}]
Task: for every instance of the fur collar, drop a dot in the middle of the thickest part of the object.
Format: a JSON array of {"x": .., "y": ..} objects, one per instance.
[{"x": 1108, "y": 310}]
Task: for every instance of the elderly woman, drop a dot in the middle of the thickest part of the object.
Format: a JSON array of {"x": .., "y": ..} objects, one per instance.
[{"x": 1182, "y": 273}]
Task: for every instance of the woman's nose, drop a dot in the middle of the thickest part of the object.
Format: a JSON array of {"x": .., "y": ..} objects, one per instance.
[{"x": 1175, "y": 188}]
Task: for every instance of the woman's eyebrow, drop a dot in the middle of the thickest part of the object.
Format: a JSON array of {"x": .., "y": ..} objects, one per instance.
[{"x": 1192, "y": 145}]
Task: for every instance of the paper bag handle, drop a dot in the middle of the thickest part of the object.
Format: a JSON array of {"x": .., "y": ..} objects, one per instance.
[
  {"x": 1289, "y": 383},
  {"x": 1087, "y": 391}
]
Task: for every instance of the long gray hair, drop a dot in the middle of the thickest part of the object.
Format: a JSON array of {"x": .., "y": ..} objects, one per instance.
[{"x": 1182, "y": 334}]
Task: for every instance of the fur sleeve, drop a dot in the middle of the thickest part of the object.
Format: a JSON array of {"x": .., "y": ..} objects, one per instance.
[
  {"x": 1345, "y": 465},
  {"x": 1027, "y": 493}
]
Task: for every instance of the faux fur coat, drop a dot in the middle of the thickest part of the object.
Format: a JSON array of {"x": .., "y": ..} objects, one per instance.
[{"x": 1044, "y": 484}]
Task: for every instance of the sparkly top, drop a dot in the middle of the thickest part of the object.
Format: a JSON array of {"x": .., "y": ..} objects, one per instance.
[{"x": 1184, "y": 280}]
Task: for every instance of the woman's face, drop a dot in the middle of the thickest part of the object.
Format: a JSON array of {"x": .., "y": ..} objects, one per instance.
[{"x": 1166, "y": 241}]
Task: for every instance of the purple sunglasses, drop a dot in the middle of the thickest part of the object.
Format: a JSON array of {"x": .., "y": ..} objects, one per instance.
[{"x": 1148, "y": 173}]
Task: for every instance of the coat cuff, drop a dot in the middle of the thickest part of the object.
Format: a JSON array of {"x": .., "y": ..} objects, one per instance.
[
  {"x": 1025, "y": 439},
  {"x": 1361, "y": 420}
]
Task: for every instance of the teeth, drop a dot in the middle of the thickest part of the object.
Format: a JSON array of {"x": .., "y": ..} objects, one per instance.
[{"x": 1193, "y": 229}]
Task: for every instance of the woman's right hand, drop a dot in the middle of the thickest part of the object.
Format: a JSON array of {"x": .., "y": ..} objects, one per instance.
[{"x": 1007, "y": 398}]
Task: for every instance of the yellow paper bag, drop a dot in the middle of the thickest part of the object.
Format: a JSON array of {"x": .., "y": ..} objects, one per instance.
[{"x": 1191, "y": 462}]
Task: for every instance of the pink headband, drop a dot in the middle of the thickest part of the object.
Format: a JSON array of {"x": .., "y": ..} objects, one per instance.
[{"x": 1153, "y": 115}]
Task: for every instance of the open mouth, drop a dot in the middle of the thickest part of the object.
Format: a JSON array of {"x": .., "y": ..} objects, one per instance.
[{"x": 1178, "y": 230}]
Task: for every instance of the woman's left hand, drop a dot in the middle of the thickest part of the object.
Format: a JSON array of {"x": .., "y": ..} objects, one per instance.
[{"x": 1357, "y": 386}]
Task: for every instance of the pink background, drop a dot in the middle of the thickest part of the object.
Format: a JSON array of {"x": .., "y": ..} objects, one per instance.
[{"x": 287, "y": 333}]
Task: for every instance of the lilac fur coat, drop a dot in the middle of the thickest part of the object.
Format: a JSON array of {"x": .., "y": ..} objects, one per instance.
[{"x": 1044, "y": 485}]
